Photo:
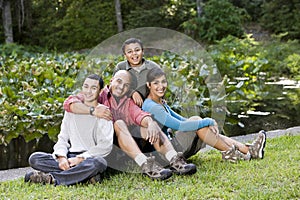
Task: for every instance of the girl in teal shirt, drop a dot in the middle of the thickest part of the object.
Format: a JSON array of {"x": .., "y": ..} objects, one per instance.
[{"x": 190, "y": 130}]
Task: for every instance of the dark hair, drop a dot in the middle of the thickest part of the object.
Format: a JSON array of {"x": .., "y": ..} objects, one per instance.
[
  {"x": 131, "y": 41},
  {"x": 98, "y": 78},
  {"x": 154, "y": 73}
]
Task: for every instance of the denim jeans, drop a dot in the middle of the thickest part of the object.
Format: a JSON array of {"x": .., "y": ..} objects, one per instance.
[{"x": 80, "y": 173}]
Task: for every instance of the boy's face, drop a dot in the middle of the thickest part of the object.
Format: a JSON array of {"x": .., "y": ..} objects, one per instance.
[
  {"x": 90, "y": 90},
  {"x": 134, "y": 54}
]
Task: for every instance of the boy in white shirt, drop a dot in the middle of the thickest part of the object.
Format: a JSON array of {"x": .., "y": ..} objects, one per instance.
[{"x": 82, "y": 143}]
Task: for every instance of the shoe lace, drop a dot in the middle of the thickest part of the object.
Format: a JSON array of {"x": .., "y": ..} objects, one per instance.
[
  {"x": 152, "y": 166},
  {"x": 178, "y": 159}
]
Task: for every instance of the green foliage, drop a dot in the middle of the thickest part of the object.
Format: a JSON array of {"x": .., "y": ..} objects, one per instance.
[
  {"x": 253, "y": 7},
  {"x": 220, "y": 19},
  {"x": 214, "y": 180},
  {"x": 282, "y": 17},
  {"x": 32, "y": 90},
  {"x": 61, "y": 25}
]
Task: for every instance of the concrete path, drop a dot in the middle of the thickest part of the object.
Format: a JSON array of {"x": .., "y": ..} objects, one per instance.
[{"x": 12, "y": 174}]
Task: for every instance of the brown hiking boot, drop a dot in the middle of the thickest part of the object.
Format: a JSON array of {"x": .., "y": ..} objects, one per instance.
[
  {"x": 39, "y": 177},
  {"x": 234, "y": 155},
  {"x": 154, "y": 170},
  {"x": 179, "y": 166},
  {"x": 256, "y": 149},
  {"x": 95, "y": 179}
]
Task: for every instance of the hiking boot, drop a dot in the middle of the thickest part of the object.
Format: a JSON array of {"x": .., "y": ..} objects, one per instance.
[
  {"x": 234, "y": 155},
  {"x": 39, "y": 177},
  {"x": 179, "y": 166},
  {"x": 256, "y": 149},
  {"x": 154, "y": 170},
  {"x": 95, "y": 179}
]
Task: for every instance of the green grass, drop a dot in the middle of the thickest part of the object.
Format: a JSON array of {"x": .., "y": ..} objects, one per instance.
[{"x": 274, "y": 177}]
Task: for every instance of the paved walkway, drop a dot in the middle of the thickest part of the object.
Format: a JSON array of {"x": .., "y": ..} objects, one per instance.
[{"x": 12, "y": 174}]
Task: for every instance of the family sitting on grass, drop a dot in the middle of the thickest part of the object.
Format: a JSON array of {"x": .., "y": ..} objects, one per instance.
[{"x": 130, "y": 113}]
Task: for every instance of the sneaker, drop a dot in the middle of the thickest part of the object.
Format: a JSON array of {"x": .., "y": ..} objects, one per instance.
[
  {"x": 154, "y": 170},
  {"x": 179, "y": 166},
  {"x": 95, "y": 179},
  {"x": 234, "y": 155},
  {"x": 256, "y": 149},
  {"x": 39, "y": 177}
]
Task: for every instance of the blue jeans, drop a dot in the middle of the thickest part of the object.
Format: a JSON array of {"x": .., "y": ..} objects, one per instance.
[{"x": 80, "y": 173}]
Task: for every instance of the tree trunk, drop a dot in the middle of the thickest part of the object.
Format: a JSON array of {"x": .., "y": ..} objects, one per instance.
[
  {"x": 7, "y": 21},
  {"x": 199, "y": 8},
  {"x": 119, "y": 15}
]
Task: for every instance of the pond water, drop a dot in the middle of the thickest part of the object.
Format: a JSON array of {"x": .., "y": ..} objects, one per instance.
[{"x": 278, "y": 108}]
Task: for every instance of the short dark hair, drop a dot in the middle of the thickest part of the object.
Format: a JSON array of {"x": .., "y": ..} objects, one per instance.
[
  {"x": 98, "y": 78},
  {"x": 131, "y": 41}
]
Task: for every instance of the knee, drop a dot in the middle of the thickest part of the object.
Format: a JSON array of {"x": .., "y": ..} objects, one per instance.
[
  {"x": 100, "y": 163},
  {"x": 33, "y": 159},
  {"x": 194, "y": 118},
  {"x": 120, "y": 127}
]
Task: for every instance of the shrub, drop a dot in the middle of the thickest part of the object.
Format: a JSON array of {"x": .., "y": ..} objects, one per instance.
[{"x": 220, "y": 19}]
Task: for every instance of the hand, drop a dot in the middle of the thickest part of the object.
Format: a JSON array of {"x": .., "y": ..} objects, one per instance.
[
  {"x": 138, "y": 100},
  {"x": 153, "y": 132},
  {"x": 75, "y": 161},
  {"x": 63, "y": 163},
  {"x": 214, "y": 128},
  {"x": 102, "y": 111}
]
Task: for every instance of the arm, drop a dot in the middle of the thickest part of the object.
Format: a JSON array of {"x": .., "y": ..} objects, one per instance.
[
  {"x": 62, "y": 145},
  {"x": 138, "y": 100},
  {"x": 169, "y": 121},
  {"x": 74, "y": 104}
]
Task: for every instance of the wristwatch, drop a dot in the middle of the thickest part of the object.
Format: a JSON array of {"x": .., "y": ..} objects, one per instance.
[{"x": 92, "y": 109}]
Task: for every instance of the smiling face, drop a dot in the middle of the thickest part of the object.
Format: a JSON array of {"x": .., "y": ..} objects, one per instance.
[
  {"x": 90, "y": 90},
  {"x": 120, "y": 83},
  {"x": 158, "y": 87},
  {"x": 134, "y": 54}
]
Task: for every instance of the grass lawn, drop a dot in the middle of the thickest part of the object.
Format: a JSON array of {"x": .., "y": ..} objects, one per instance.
[{"x": 277, "y": 176}]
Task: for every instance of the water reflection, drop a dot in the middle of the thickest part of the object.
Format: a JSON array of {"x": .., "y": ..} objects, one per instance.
[{"x": 270, "y": 104}]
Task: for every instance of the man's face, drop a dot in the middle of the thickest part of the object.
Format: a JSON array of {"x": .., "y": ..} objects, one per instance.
[
  {"x": 120, "y": 84},
  {"x": 134, "y": 54},
  {"x": 90, "y": 89}
]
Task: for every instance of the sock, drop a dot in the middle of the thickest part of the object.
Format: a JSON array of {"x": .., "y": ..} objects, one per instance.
[
  {"x": 140, "y": 159},
  {"x": 170, "y": 154}
]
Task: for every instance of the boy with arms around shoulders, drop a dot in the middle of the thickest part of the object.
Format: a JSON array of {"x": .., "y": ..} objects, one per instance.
[{"x": 137, "y": 66}]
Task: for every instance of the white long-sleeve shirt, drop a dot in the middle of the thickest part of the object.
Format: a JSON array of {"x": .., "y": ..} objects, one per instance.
[{"x": 84, "y": 133}]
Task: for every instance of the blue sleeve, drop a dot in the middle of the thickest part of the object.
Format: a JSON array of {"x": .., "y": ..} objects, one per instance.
[
  {"x": 174, "y": 114},
  {"x": 164, "y": 118}
]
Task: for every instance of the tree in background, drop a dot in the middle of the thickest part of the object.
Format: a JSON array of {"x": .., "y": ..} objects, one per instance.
[
  {"x": 7, "y": 21},
  {"x": 119, "y": 15},
  {"x": 282, "y": 16}
]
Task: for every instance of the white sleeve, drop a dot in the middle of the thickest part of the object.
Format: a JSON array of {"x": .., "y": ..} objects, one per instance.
[
  {"x": 62, "y": 145},
  {"x": 103, "y": 137}
]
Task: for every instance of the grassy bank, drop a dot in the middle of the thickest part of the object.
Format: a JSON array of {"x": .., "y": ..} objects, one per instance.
[{"x": 275, "y": 177}]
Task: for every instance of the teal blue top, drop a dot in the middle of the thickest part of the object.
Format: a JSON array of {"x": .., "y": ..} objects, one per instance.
[{"x": 168, "y": 118}]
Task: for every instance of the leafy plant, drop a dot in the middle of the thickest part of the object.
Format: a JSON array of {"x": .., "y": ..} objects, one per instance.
[{"x": 220, "y": 19}]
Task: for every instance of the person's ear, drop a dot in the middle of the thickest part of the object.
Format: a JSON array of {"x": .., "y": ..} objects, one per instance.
[{"x": 148, "y": 84}]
